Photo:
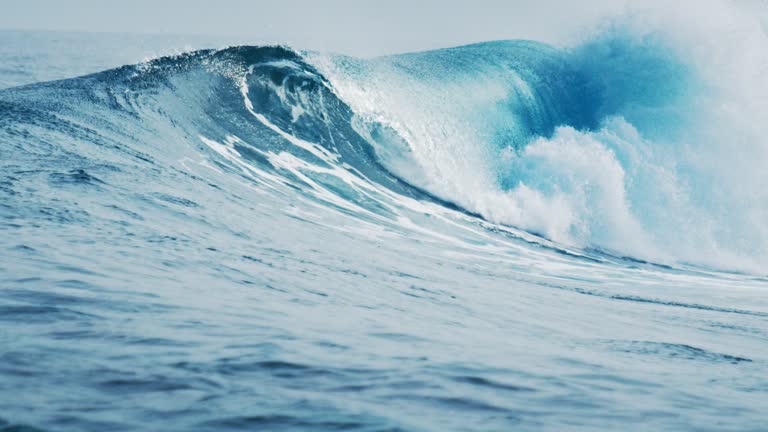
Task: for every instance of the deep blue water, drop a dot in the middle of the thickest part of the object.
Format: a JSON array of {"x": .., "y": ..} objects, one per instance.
[{"x": 502, "y": 236}]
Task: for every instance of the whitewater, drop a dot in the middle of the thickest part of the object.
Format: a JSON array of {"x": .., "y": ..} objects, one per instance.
[{"x": 506, "y": 235}]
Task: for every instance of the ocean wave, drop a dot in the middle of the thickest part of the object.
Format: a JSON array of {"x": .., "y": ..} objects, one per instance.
[
  {"x": 622, "y": 144},
  {"x": 505, "y": 235}
]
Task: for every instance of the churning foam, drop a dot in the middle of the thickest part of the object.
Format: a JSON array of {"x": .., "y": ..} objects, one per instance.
[{"x": 646, "y": 137}]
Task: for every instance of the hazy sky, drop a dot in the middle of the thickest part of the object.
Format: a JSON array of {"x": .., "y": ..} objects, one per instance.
[
  {"x": 356, "y": 27},
  {"x": 360, "y": 27}
]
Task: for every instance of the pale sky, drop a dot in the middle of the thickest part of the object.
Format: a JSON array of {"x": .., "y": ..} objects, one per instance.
[
  {"x": 355, "y": 27},
  {"x": 358, "y": 27}
]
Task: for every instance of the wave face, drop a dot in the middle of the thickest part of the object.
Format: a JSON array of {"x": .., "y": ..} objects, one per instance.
[{"x": 506, "y": 234}]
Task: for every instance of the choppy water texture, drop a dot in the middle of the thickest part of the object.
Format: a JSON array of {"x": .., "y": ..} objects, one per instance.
[{"x": 503, "y": 236}]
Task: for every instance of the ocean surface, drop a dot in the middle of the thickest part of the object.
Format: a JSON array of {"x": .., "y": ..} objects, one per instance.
[{"x": 506, "y": 236}]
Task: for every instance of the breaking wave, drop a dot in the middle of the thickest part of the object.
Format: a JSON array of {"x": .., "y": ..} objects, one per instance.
[{"x": 631, "y": 143}]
